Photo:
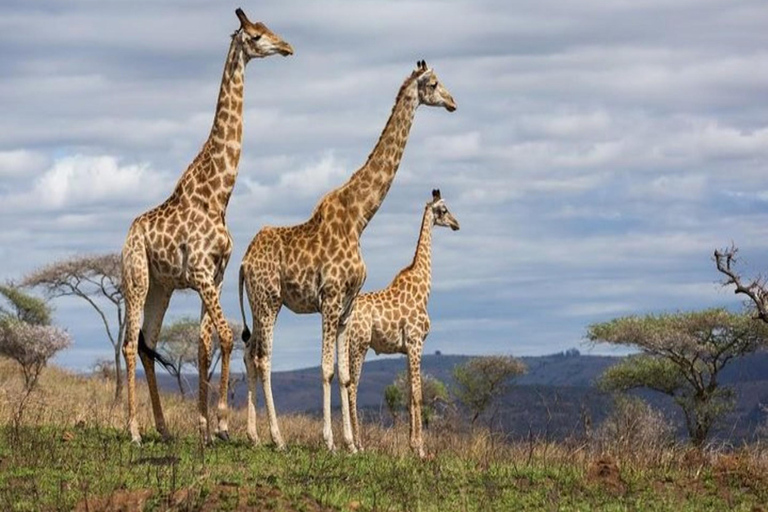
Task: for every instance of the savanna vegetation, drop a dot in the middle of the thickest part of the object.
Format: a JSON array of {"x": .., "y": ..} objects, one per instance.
[
  {"x": 73, "y": 452},
  {"x": 64, "y": 445}
]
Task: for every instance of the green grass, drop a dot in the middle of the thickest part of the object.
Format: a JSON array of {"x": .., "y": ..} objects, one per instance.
[{"x": 56, "y": 468}]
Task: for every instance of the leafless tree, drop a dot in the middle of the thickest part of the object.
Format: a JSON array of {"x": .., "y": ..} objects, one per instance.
[
  {"x": 95, "y": 279},
  {"x": 755, "y": 289}
]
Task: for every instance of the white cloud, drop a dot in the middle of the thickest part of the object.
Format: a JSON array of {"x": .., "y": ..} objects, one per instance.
[
  {"x": 454, "y": 147},
  {"x": 81, "y": 180}
]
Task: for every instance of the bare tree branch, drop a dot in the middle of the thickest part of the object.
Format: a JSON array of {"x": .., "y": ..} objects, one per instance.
[{"x": 755, "y": 290}]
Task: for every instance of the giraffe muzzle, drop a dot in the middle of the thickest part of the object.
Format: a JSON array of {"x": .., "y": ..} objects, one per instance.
[{"x": 285, "y": 49}]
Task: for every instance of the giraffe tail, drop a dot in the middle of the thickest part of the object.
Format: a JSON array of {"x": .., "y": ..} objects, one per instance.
[
  {"x": 148, "y": 351},
  {"x": 246, "y": 331}
]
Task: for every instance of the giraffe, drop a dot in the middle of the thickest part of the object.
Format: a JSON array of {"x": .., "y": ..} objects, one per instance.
[
  {"x": 185, "y": 243},
  {"x": 317, "y": 266},
  {"x": 395, "y": 320}
]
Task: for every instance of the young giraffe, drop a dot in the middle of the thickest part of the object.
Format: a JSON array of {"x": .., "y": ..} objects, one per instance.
[
  {"x": 317, "y": 266},
  {"x": 395, "y": 320},
  {"x": 184, "y": 242}
]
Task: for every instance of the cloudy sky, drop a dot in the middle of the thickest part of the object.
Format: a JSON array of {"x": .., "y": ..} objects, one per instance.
[{"x": 600, "y": 152}]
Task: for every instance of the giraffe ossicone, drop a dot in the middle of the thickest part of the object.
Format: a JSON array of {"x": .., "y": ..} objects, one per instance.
[
  {"x": 185, "y": 243},
  {"x": 317, "y": 266},
  {"x": 395, "y": 320}
]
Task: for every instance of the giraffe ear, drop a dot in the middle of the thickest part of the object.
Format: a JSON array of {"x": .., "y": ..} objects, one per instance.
[
  {"x": 436, "y": 194},
  {"x": 242, "y": 17}
]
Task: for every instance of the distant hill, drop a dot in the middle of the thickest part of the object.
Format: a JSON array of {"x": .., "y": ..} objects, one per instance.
[{"x": 552, "y": 400}]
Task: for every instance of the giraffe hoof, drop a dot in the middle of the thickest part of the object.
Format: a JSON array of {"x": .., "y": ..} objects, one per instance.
[{"x": 223, "y": 435}]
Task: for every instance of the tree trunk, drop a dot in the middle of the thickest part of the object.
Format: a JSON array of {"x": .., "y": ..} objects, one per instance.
[
  {"x": 179, "y": 382},
  {"x": 118, "y": 374}
]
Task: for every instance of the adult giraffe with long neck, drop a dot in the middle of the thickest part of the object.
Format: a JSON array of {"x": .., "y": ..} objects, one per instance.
[
  {"x": 185, "y": 243},
  {"x": 317, "y": 266}
]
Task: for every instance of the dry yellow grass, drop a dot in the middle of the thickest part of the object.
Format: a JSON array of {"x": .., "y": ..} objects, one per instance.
[{"x": 67, "y": 399}]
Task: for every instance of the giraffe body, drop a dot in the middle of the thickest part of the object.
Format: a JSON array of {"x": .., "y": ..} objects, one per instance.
[
  {"x": 395, "y": 320},
  {"x": 317, "y": 266},
  {"x": 185, "y": 243}
]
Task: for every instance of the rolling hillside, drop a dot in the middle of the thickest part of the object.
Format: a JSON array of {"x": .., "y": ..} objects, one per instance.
[{"x": 552, "y": 400}]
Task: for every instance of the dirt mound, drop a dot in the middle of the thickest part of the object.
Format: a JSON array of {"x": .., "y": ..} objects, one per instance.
[
  {"x": 118, "y": 501},
  {"x": 605, "y": 473}
]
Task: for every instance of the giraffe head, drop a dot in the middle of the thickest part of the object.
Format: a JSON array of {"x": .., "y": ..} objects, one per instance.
[
  {"x": 257, "y": 40},
  {"x": 431, "y": 91},
  {"x": 440, "y": 214}
]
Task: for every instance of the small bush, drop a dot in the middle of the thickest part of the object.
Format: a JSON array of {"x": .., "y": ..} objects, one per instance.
[{"x": 634, "y": 427}]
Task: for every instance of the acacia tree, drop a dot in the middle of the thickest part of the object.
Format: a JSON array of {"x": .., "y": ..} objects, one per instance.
[
  {"x": 481, "y": 381},
  {"x": 23, "y": 307},
  {"x": 682, "y": 355},
  {"x": 95, "y": 279}
]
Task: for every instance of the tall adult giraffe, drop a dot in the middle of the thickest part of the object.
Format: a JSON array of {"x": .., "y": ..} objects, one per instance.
[
  {"x": 317, "y": 267},
  {"x": 185, "y": 243},
  {"x": 395, "y": 320}
]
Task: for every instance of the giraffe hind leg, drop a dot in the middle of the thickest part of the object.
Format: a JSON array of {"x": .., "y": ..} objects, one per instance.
[
  {"x": 154, "y": 310},
  {"x": 135, "y": 284},
  {"x": 263, "y": 351}
]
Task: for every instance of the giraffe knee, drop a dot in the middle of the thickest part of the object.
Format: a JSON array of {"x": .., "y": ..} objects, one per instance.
[
  {"x": 130, "y": 348},
  {"x": 226, "y": 338}
]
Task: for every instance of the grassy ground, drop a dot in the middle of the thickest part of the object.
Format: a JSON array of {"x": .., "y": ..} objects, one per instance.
[{"x": 72, "y": 452}]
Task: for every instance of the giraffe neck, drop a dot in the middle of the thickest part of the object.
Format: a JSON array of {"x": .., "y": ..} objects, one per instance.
[
  {"x": 368, "y": 187},
  {"x": 211, "y": 176},
  {"x": 422, "y": 260}
]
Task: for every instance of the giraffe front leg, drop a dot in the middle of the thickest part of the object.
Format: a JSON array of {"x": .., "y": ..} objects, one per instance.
[
  {"x": 214, "y": 315},
  {"x": 204, "y": 350},
  {"x": 331, "y": 310},
  {"x": 355, "y": 370},
  {"x": 414, "y": 373},
  {"x": 344, "y": 380}
]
